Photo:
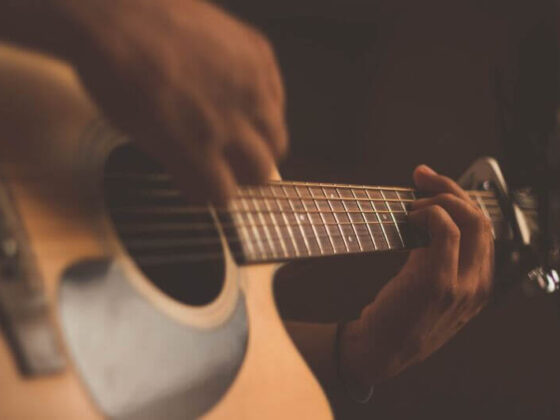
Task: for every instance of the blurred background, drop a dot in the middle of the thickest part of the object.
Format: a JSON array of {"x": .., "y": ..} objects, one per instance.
[{"x": 377, "y": 87}]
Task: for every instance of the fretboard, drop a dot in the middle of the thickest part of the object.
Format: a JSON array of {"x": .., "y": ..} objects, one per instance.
[{"x": 289, "y": 220}]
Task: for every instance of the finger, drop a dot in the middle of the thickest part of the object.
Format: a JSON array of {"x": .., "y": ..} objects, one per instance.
[
  {"x": 203, "y": 178},
  {"x": 444, "y": 239},
  {"x": 272, "y": 70},
  {"x": 474, "y": 226},
  {"x": 249, "y": 155},
  {"x": 269, "y": 120},
  {"x": 476, "y": 251},
  {"x": 428, "y": 181},
  {"x": 212, "y": 181},
  {"x": 268, "y": 105}
]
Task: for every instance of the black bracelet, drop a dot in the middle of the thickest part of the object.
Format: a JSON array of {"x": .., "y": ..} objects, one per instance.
[{"x": 354, "y": 391}]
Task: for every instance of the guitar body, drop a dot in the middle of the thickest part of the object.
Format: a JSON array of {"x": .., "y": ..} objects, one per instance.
[{"x": 130, "y": 350}]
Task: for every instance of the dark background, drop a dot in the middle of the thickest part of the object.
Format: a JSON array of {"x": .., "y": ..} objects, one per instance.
[{"x": 374, "y": 89}]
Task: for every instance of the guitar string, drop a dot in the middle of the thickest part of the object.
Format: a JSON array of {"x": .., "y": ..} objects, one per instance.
[
  {"x": 235, "y": 238},
  {"x": 309, "y": 185},
  {"x": 486, "y": 196},
  {"x": 489, "y": 201},
  {"x": 185, "y": 227},
  {"x": 158, "y": 259},
  {"x": 185, "y": 208},
  {"x": 122, "y": 212}
]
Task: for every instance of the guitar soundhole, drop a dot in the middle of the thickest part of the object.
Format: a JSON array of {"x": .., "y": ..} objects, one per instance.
[{"x": 176, "y": 245}]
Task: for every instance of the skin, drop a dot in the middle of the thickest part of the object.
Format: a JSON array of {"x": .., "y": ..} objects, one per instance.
[
  {"x": 193, "y": 86},
  {"x": 202, "y": 93},
  {"x": 439, "y": 289}
]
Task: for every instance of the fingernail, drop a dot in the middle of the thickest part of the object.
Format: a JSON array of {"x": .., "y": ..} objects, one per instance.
[{"x": 427, "y": 170}]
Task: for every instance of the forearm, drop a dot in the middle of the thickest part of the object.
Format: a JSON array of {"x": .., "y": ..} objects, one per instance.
[{"x": 344, "y": 363}]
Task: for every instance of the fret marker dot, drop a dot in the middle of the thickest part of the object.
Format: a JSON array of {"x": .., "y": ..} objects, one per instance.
[
  {"x": 332, "y": 195},
  {"x": 349, "y": 239},
  {"x": 301, "y": 217}
]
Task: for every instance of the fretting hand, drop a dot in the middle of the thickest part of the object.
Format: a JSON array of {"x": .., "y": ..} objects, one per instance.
[{"x": 439, "y": 289}]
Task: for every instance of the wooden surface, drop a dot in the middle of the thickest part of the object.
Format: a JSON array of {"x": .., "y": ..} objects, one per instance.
[{"x": 44, "y": 113}]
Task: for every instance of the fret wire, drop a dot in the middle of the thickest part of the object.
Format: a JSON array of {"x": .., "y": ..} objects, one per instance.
[
  {"x": 205, "y": 209},
  {"x": 166, "y": 177},
  {"x": 376, "y": 246},
  {"x": 231, "y": 211},
  {"x": 277, "y": 228},
  {"x": 291, "y": 197},
  {"x": 351, "y": 222},
  {"x": 312, "y": 236},
  {"x": 324, "y": 211},
  {"x": 321, "y": 250},
  {"x": 389, "y": 246},
  {"x": 201, "y": 240},
  {"x": 248, "y": 243},
  {"x": 264, "y": 258},
  {"x": 339, "y": 228},
  {"x": 305, "y": 242},
  {"x": 191, "y": 226},
  {"x": 329, "y": 236},
  {"x": 394, "y": 220},
  {"x": 185, "y": 210},
  {"x": 268, "y": 231},
  {"x": 265, "y": 227},
  {"x": 488, "y": 201},
  {"x": 178, "y": 193},
  {"x": 289, "y": 227},
  {"x": 373, "y": 240},
  {"x": 403, "y": 207},
  {"x": 254, "y": 228},
  {"x": 330, "y": 185}
]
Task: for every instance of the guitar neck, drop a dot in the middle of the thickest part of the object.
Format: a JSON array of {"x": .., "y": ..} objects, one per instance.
[{"x": 291, "y": 220}]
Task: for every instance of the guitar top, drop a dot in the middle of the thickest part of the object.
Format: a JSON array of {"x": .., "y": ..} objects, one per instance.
[{"x": 120, "y": 299}]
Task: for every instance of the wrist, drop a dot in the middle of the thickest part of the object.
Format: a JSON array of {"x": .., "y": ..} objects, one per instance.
[{"x": 354, "y": 359}]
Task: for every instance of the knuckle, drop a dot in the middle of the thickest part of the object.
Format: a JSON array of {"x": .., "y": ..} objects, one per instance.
[
  {"x": 487, "y": 225},
  {"x": 447, "y": 197},
  {"x": 448, "y": 183},
  {"x": 483, "y": 293},
  {"x": 445, "y": 293},
  {"x": 447, "y": 226},
  {"x": 481, "y": 296},
  {"x": 480, "y": 223},
  {"x": 437, "y": 213},
  {"x": 452, "y": 232}
]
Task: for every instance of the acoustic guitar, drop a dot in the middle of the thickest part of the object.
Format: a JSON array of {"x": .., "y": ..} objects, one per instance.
[{"x": 120, "y": 300}]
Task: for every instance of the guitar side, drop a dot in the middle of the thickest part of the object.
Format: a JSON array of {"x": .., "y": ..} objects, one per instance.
[{"x": 45, "y": 105}]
